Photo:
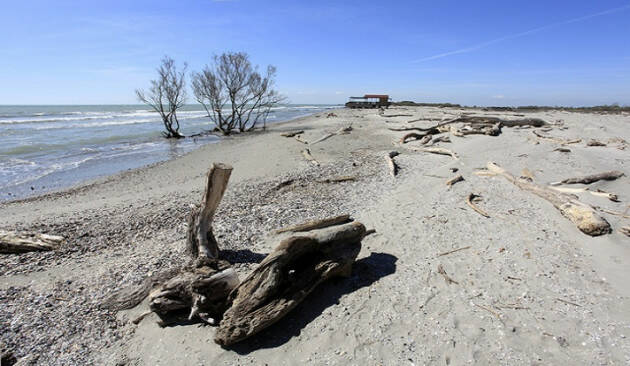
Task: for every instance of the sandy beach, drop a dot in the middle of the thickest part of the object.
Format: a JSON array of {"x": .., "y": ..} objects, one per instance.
[{"x": 526, "y": 286}]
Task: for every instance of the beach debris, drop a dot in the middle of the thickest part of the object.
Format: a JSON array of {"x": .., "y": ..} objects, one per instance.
[
  {"x": 341, "y": 131},
  {"x": 331, "y": 115},
  {"x": 599, "y": 193},
  {"x": 435, "y": 150},
  {"x": 393, "y": 167},
  {"x": 439, "y": 139},
  {"x": 453, "y": 251},
  {"x": 457, "y": 178},
  {"x": 624, "y": 215},
  {"x": 343, "y": 178},
  {"x": 593, "y": 142},
  {"x": 447, "y": 278},
  {"x": 307, "y": 155},
  {"x": 582, "y": 215},
  {"x": 556, "y": 140},
  {"x": 527, "y": 174},
  {"x": 625, "y": 230},
  {"x": 562, "y": 149},
  {"x": 12, "y": 242},
  {"x": 471, "y": 199},
  {"x": 395, "y": 115},
  {"x": 284, "y": 183},
  {"x": 588, "y": 179},
  {"x": 292, "y": 133},
  {"x": 286, "y": 276},
  {"x": 568, "y": 302},
  {"x": 299, "y": 139}
]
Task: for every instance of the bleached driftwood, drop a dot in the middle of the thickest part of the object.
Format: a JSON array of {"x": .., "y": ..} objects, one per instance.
[
  {"x": 22, "y": 242},
  {"x": 286, "y": 276},
  {"x": 341, "y": 131},
  {"x": 343, "y": 178},
  {"x": 457, "y": 178},
  {"x": 556, "y": 140},
  {"x": 307, "y": 155},
  {"x": 625, "y": 230},
  {"x": 201, "y": 242},
  {"x": 599, "y": 193},
  {"x": 393, "y": 167},
  {"x": 315, "y": 224},
  {"x": 588, "y": 179},
  {"x": 435, "y": 150},
  {"x": 593, "y": 142},
  {"x": 582, "y": 215}
]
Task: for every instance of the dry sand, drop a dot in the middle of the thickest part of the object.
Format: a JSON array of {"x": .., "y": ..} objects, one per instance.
[{"x": 530, "y": 288}]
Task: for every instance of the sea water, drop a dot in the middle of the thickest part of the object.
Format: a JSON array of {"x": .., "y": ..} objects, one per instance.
[{"x": 45, "y": 148}]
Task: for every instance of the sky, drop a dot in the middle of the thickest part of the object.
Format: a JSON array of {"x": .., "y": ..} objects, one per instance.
[{"x": 558, "y": 52}]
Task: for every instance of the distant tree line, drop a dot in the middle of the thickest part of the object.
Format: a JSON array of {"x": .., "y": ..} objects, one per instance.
[{"x": 234, "y": 94}]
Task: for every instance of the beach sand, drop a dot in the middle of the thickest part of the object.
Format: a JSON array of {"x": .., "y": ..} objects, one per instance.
[{"x": 530, "y": 288}]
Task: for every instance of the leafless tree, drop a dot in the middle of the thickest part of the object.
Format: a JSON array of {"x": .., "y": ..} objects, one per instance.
[
  {"x": 166, "y": 95},
  {"x": 234, "y": 94}
]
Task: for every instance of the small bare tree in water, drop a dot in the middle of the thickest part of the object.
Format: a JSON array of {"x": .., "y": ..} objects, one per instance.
[
  {"x": 234, "y": 94},
  {"x": 166, "y": 95}
]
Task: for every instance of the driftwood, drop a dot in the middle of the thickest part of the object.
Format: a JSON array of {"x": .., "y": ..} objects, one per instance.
[
  {"x": 588, "y": 179},
  {"x": 307, "y": 155},
  {"x": 582, "y": 215},
  {"x": 435, "y": 150},
  {"x": 316, "y": 224},
  {"x": 22, "y": 242},
  {"x": 341, "y": 131},
  {"x": 595, "y": 143},
  {"x": 470, "y": 201},
  {"x": 299, "y": 139},
  {"x": 396, "y": 115},
  {"x": 599, "y": 193},
  {"x": 393, "y": 167},
  {"x": 625, "y": 230},
  {"x": 447, "y": 278},
  {"x": 439, "y": 139},
  {"x": 286, "y": 276},
  {"x": 201, "y": 242},
  {"x": 292, "y": 133},
  {"x": 457, "y": 178},
  {"x": 343, "y": 178},
  {"x": 556, "y": 140}
]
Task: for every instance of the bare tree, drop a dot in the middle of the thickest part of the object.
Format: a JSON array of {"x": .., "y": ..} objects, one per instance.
[
  {"x": 166, "y": 95},
  {"x": 234, "y": 94}
]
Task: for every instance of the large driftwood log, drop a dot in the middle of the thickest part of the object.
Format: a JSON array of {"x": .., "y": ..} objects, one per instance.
[
  {"x": 588, "y": 179},
  {"x": 581, "y": 214},
  {"x": 201, "y": 241},
  {"x": 22, "y": 242},
  {"x": 286, "y": 276}
]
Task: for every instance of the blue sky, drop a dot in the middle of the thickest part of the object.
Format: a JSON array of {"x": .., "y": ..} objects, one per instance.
[{"x": 471, "y": 52}]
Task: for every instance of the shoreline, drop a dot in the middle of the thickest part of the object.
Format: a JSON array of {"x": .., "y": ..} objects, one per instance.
[
  {"x": 526, "y": 263},
  {"x": 85, "y": 184}
]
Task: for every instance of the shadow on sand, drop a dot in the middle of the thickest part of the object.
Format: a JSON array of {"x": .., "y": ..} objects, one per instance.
[{"x": 365, "y": 272}]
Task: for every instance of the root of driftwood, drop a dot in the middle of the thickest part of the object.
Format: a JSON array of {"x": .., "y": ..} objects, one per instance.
[
  {"x": 292, "y": 133},
  {"x": 315, "y": 224},
  {"x": 588, "y": 179},
  {"x": 470, "y": 200},
  {"x": 393, "y": 167},
  {"x": 23, "y": 242},
  {"x": 599, "y": 193},
  {"x": 307, "y": 155},
  {"x": 447, "y": 278},
  {"x": 582, "y": 215},
  {"x": 439, "y": 139},
  {"x": 454, "y": 180},
  {"x": 435, "y": 150},
  {"x": 286, "y": 276},
  {"x": 412, "y": 135},
  {"x": 343, "y": 178}
]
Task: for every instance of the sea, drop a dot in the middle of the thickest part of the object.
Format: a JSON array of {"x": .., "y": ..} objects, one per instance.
[{"x": 44, "y": 148}]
